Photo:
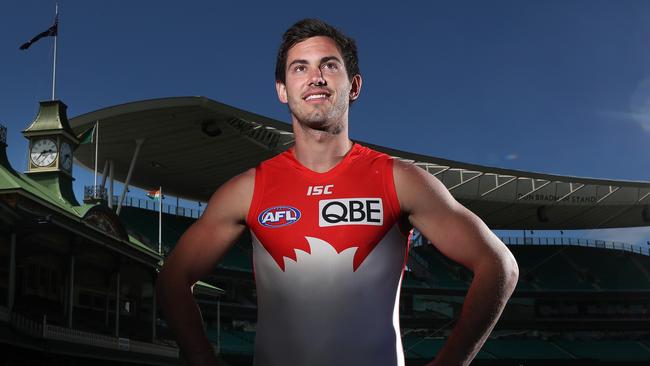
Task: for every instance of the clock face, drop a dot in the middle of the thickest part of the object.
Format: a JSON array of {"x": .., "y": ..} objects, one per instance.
[
  {"x": 44, "y": 152},
  {"x": 66, "y": 156}
]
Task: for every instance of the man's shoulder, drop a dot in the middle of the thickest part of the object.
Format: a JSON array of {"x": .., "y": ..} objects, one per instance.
[
  {"x": 232, "y": 199},
  {"x": 415, "y": 186},
  {"x": 408, "y": 174},
  {"x": 242, "y": 183},
  {"x": 365, "y": 152},
  {"x": 282, "y": 158}
]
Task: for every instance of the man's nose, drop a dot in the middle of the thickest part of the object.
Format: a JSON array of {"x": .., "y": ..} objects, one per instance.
[{"x": 316, "y": 78}]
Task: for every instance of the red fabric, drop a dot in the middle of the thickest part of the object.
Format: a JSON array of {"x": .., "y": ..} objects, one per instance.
[{"x": 282, "y": 185}]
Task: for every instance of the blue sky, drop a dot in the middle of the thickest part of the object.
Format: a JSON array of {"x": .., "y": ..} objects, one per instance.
[{"x": 559, "y": 87}]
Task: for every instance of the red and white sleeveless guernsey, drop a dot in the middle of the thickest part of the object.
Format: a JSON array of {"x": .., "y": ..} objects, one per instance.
[{"x": 328, "y": 257}]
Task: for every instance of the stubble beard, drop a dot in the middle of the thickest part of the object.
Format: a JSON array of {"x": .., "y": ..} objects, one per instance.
[{"x": 324, "y": 118}]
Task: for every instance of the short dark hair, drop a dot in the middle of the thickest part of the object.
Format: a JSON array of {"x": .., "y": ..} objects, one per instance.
[{"x": 308, "y": 28}]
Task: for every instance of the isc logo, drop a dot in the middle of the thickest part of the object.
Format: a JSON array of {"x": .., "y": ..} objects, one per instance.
[
  {"x": 279, "y": 216},
  {"x": 318, "y": 190},
  {"x": 350, "y": 211}
]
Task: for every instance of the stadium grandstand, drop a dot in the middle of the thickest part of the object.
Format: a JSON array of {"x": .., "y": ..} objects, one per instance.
[{"x": 77, "y": 279}]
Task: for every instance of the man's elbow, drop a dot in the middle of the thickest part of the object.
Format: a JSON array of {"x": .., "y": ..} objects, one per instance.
[
  {"x": 510, "y": 270},
  {"x": 172, "y": 280},
  {"x": 500, "y": 268}
]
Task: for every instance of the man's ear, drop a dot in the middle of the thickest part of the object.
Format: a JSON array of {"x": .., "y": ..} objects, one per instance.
[
  {"x": 355, "y": 88},
  {"x": 282, "y": 91}
]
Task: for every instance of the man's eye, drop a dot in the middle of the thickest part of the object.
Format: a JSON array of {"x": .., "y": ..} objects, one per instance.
[
  {"x": 299, "y": 68},
  {"x": 331, "y": 66}
]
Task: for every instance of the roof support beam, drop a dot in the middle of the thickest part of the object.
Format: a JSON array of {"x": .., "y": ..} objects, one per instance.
[
  {"x": 535, "y": 189},
  {"x": 612, "y": 189},
  {"x": 463, "y": 181},
  {"x": 496, "y": 179},
  {"x": 589, "y": 209},
  {"x": 571, "y": 191},
  {"x": 111, "y": 182},
  {"x": 138, "y": 145},
  {"x": 432, "y": 169},
  {"x": 104, "y": 174},
  {"x": 442, "y": 169},
  {"x": 644, "y": 196}
]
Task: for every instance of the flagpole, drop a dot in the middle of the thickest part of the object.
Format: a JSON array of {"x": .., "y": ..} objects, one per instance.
[
  {"x": 96, "y": 145},
  {"x": 56, "y": 17},
  {"x": 160, "y": 221}
]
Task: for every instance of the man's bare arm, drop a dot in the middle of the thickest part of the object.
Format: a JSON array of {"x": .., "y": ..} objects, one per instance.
[
  {"x": 194, "y": 257},
  {"x": 464, "y": 238}
]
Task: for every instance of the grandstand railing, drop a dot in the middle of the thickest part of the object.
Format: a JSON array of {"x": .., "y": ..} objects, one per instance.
[
  {"x": 47, "y": 331},
  {"x": 152, "y": 205},
  {"x": 418, "y": 240},
  {"x": 95, "y": 193},
  {"x": 592, "y": 243}
]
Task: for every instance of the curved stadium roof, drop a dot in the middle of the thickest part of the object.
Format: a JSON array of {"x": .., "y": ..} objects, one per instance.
[{"x": 192, "y": 145}]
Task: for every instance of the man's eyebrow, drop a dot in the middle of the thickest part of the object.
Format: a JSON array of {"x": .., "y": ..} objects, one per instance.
[
  {"x": 297, "y": 62},
  {"x": 322, "y": 61},
  {"x": 330, "y": 58}
]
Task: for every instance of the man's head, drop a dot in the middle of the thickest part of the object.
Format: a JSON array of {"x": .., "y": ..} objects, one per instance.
[
  {"x": 317, "y": 75},
  {"x": 308, "y": 28}
]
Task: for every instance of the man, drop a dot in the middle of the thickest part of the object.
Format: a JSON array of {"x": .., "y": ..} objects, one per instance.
[{"x": 329, "y": 220}]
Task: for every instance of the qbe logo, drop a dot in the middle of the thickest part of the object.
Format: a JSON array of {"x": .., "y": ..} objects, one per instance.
[
  {"x": 279, "y": 216},
  {"x": 350, "y": 211}
]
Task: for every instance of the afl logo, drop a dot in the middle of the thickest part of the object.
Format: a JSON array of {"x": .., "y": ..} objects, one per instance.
[{"x": 279, "y": 216}]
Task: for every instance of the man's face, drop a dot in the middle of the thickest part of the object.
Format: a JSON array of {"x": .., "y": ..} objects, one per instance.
[{"x": 317, "y": 88}]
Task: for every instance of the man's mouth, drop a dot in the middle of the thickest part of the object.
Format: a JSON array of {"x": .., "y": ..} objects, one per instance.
[{"x": 316, "y": 96}]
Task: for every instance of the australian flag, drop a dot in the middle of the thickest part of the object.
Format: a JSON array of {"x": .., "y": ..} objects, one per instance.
[{"x": 50, "y": 32}]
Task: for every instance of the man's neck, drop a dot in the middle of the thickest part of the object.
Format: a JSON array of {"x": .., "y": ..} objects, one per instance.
[{"x": 320, "y": 151}]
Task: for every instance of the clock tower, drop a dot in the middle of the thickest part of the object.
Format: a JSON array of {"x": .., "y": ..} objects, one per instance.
[{"x": 51, "y": 142}]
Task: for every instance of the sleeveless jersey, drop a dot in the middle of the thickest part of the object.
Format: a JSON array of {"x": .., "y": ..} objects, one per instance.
[{"x": 328, "y": 258}]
